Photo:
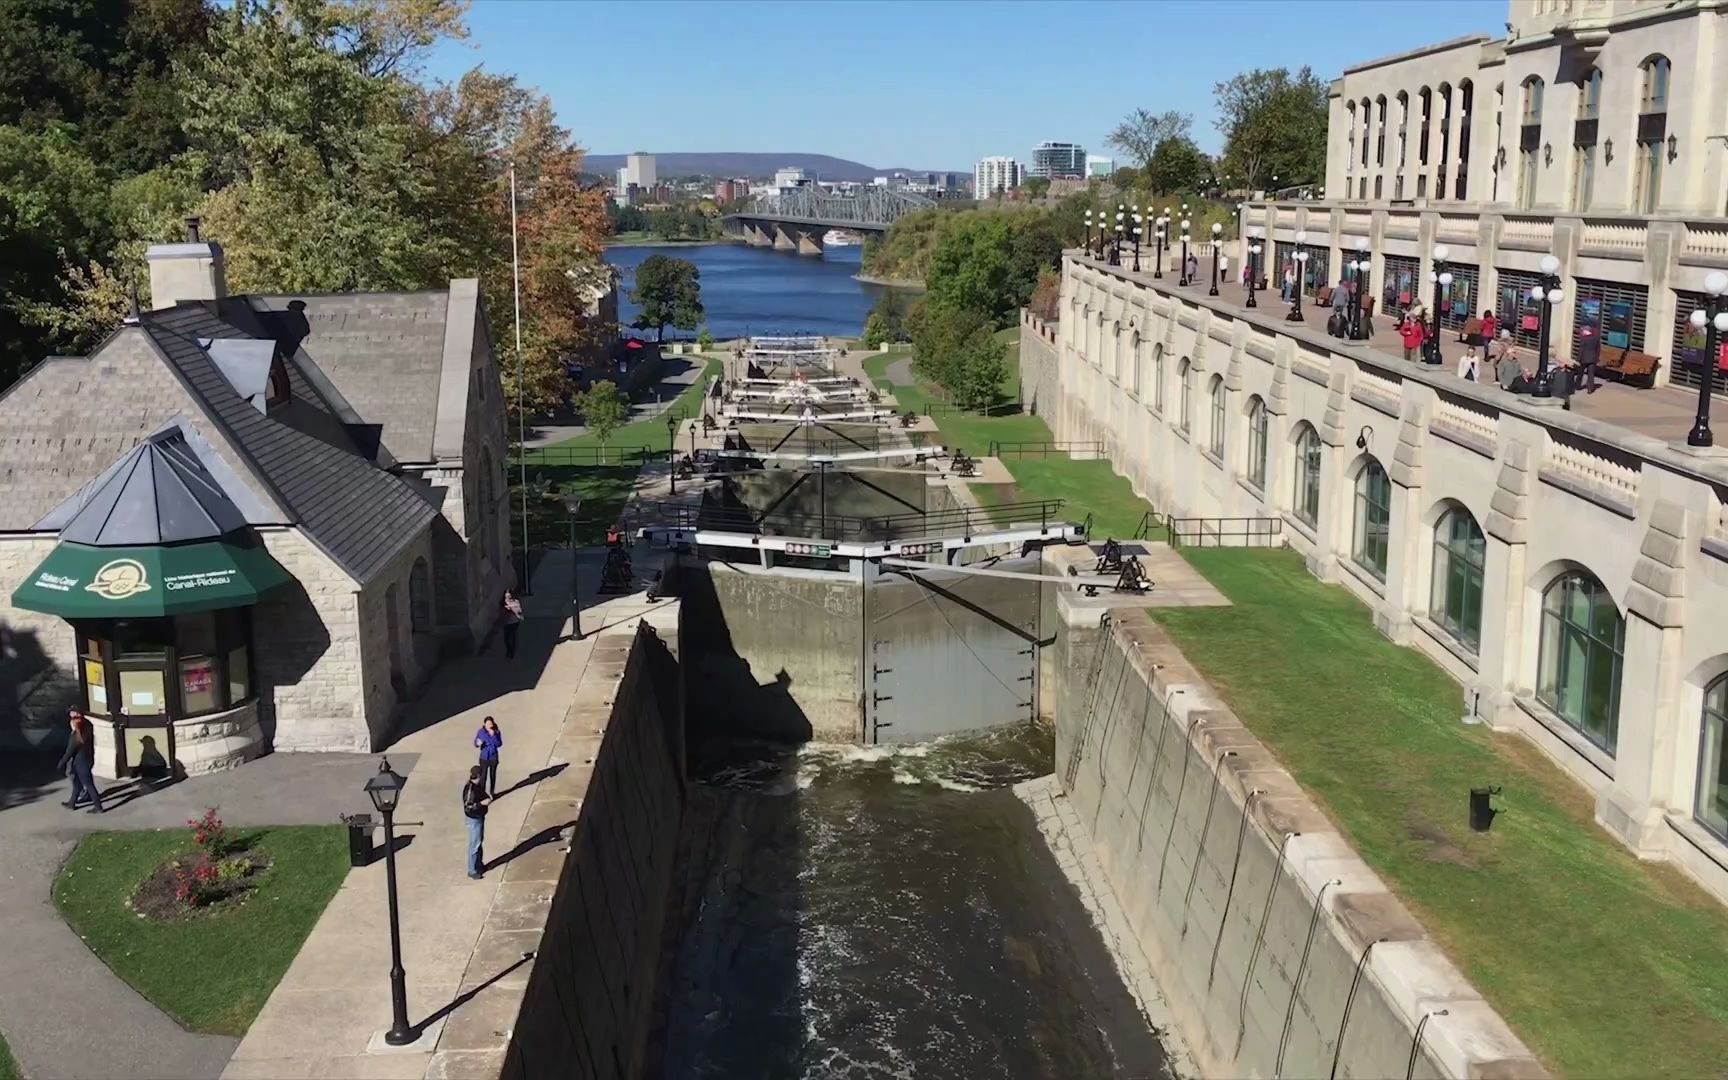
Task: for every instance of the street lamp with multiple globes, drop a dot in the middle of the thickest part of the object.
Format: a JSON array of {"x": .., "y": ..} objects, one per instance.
[
  {"x": 1088, "y": 232},
  {"x": 1359, "y": 269},
  {"x": 1184, "y": 279},
  {"x": 1138, "y": 222},
  {"x": 1712, "y": 318},
  {"x": 1254, "y": 271},
  {"x": 1442, "y": 279},
  {"x": 385, "y": 791},
  {"x": 1121, "y": 223},
  {"x": 1162, "y": 223},
  {"x": 1547, "y": 295},
  {"x": 672, "y": 451},
  {"x": 1217, "y": 244},
  {"x": 1300, "y": 258}
]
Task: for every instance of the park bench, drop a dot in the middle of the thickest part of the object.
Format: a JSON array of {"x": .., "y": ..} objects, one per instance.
[{"x": 1626, "y": 365}]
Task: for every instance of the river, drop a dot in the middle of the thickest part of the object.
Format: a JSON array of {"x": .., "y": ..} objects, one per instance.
[
  {"x": 886, "y": 911},
  {"x": 754, "y": 290}
]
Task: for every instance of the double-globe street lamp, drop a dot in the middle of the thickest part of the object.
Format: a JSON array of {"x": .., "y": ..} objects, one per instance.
[
  {"x": 1254, "y": 250},
  {"x": 1163, "y": 223},
  {"x": 1547, "y": 294},
  {"x": 1138, "y": 222},
  {"x": 1300, "y": 258},
  {"x": 385, "y": 791},
  {"x": 1442, "y": 279},
  {"x": 1712, "y": 318},
  {"x": 1184, "y": 280},
  {"x": 1121, "y": 228},
  {"x": 1359, "y": 268}
]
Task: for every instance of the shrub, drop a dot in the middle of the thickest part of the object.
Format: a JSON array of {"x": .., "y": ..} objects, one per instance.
[
  {"x": 211, "y": 836},
  {"x": 704, "y": 339},
  {"x": 233, "y": 869},
  {"x": 197, "y": 884}
]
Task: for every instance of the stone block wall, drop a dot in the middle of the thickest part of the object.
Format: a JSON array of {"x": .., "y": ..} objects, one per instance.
[
  {"x": 1279, "y": 951},
  {"x": 1038, "y": 382},
  {"x": 589, "y": 1005},
  {"x": 306, "y": 656},
  {"x": 38, "y": 656},
  {"x": 392, "y": 671}
]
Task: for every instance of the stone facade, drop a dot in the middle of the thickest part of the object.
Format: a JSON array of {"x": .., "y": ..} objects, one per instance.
[
  {"x": 38, "y": 655},
  {"x": 308, "y": 667},
  {"x": 1551, "y": 492}
]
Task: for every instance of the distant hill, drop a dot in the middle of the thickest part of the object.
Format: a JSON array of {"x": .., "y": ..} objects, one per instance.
[{"x": 755, "y": 166}]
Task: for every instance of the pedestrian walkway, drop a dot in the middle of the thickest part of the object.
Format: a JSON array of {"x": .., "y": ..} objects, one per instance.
[
  {"x": 645, "y": 404},
  {"x": 328, "y": 1015},
  {"x": 54, "y": 992}
]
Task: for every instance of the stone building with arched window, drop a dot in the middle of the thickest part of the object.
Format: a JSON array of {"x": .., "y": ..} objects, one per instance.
[{"x": 248, "y": 522}]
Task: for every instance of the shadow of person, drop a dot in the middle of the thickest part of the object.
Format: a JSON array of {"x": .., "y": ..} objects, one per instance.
[{"x": 152, "y": 766}]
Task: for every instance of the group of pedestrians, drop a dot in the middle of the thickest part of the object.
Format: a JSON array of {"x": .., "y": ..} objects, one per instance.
[
  {"x": 481, "y": 791},
  {"x": 1489, "y": 354}
]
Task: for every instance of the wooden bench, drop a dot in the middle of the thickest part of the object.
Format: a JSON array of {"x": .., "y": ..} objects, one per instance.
[
  {"x": 1626, "y": 365},
  {"x": 1323, "y": 296}
]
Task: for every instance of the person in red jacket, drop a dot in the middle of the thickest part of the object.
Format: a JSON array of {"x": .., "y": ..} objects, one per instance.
[{"x": 1413, "y": 330}]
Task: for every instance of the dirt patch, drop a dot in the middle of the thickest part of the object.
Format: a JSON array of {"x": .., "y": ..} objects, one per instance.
[
  {"x": 157, "y": 898},
  {"x": 1440, "y": 846}
]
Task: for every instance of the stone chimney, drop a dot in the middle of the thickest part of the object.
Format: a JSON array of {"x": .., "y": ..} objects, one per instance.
[{"x": 192, "y": 270}]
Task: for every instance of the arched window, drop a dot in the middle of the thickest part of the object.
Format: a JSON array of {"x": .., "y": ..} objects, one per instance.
[
  {"x": 1306, "y": 501},
  {"x": 1445, "y": 95},
  {"x": 1350, "y": 158},
  {"x": 1134, "y": 362},
  {"x": 1216, "y": 434},
  {"x": 1257, "y": 443},
  {"x": 420, "y": 598},
  {"x": 1367, "y": 126},
  {"x": 1582, "y": 638},
  {"x": 1380, "y": 132},
  {"x": 1455, "y": 602},
  {"x": 1712, "y": 808},
  {"x": 1584, "y": 139},
  {"x": 1652, "y": 129},
  {"x": 1182, "y": 373},
  {"x": 1466, "y": 108},
  {"x": 1158, "y": 377},
  {"x": 486, "y": 513},
  {"x": 1529, "y": 142},
  {"x": 1373, "y": 518}
]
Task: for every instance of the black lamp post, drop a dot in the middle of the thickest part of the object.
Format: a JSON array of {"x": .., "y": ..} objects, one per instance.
[
  {"x": 1300, "y": 258},
  {"x": 385, "y": 790},
  {"x": 672, "y": 453},
  {"x": 1254, "y": 249},
  {"x": 1139, "y": 222},
  {"x": 1547, "y": 295},
  {"x": 1183, "y": 280},
  {"x": 573, "y": 503},
  {"x": 1116, "y": 246},
  {"x": 1442, "y": 279},
  {"x": 1088, "y": 232},
  {"x": 1217, "y": 242},
  {"x": 1163, "y": 222},
  {"x": 1359, "y": 270},
  {"x": 1712, "y": 318}
]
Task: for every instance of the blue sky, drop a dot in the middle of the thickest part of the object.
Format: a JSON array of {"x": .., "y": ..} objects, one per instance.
[{"x": 903, "y": 83}]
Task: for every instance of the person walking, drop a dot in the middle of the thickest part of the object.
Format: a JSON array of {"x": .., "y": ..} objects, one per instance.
[
  {"x": 79, "y": 761},
  {"x": 489, "y": 740},
  {"x": 1412, "y": 331},
  {"x": 512, "y": 615},
  {"x": 1339, "y": 324},
  {"x": 1193, "y": 268},
  {"x": 474, "y": 810},
  {"x": 1289, "y": 290}
]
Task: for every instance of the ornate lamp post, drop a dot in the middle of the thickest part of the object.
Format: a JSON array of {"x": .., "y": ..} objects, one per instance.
[
  {"x": 1547, "y": 296},
  {"x": 1712, "y": 318},
  {"x": 385, "y": 790},
  {"x": 1088, "y": 232},
  {"x": 1300, "y": 258},
  {"x": 1254, "y": 249},
  {"x": 1158, "y": 253},
  {"x": 1360, "y": 270},
  {"x": 1184, "y": 279},
  {"x": 1442, "y": 279},
  {"x": 1138, "y": 222},
  {"x": 1217, "y": 243},
  {"x": 1121, "y": 222},
  {"x": 672, "y": 452}
]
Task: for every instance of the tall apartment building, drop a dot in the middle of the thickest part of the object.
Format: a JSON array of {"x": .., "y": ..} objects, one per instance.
[
  {"x": 1099, "y": 166},
  {"x": 996, "y": 173},
  {"x": 1595, "y": 131},
  {"x": 639, "y": 170},
  {"x": 1053, "y": 160}
]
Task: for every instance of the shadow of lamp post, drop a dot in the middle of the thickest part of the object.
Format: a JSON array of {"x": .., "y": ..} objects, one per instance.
[{"x": 385, "y": 790}]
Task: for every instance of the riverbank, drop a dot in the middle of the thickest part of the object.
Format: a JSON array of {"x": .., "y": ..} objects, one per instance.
[{"x": 641, "y": 239}]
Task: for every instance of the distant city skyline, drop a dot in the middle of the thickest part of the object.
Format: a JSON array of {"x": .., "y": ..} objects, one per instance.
[{"x": 675, "y": 76}]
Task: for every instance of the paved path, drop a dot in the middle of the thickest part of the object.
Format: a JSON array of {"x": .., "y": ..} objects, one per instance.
[
  {"x": 645, "y": 404},
  {"x": 900, "y": 372},
  {"x": 55, "y": 995},
  {"x": 327, "y": 1016}
]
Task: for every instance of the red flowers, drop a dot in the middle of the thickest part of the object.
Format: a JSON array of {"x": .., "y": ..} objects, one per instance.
[
  {"x": 211, "y": 836},
  {"x": 201, "y": 882}
]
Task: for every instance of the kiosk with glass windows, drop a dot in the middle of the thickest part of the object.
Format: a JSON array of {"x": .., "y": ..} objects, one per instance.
[{"x": 156, "y": 571}]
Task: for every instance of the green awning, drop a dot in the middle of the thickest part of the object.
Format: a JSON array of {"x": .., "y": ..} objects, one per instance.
[{"x": 77, "y": 581}]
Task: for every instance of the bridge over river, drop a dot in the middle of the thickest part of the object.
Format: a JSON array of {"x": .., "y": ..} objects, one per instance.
[{"x": 795, "y": 219}]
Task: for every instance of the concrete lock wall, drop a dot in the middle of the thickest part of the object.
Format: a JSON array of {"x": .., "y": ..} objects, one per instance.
[
  {"x": 773, "y": 653},
  {"x": 1254, "y": 912},
  {"x": 590, "y": 1001}
]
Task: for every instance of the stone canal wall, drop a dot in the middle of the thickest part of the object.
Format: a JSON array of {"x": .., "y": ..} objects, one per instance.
[
  {"x": 589, "y": 1003},
  {"x": 1279, "y": 951}
]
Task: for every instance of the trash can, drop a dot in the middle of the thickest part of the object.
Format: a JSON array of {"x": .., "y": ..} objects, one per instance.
[{"x": 360, "y": 848}]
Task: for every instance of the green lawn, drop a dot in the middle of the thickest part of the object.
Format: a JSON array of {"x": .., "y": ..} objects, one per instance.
[
  {"x": 8, "y": 1065},
  {"x": 1086, "y": 487},
  {"x": 604, "y": 488},
  {"x": 214, "y": 972},
  {"x": 1606, "y": 966}
]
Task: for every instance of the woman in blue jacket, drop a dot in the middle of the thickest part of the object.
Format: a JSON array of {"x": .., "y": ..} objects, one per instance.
[{"x": 489, "y": 740}]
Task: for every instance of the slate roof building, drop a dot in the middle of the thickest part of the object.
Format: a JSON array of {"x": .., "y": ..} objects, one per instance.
[{"x": 248, "y": 522}]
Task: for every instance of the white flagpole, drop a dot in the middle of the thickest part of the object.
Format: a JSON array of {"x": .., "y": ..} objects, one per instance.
[{"x": 521, "y": 416}]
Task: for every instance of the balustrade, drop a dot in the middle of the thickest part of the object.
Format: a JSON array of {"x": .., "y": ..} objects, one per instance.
[
  {"x": 1594, "y": 472},
  {"x": 1615, "y": 240},
  {"x": 1706, "y": 244},
  {"x": 1464, "y": 420}
]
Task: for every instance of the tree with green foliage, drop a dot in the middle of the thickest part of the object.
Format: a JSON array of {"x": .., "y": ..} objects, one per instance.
[
  {"x": 1035, "y": 187},
  {"x": 669, "y": 293},
  {"x": 988, "y": 261},
  {"x": 1141, "y": 133},
  {"x": 704, "y": 339},
  {"x": 886, "y": 321},
  {"x": 956, "y": 348},
  {"x": 1274, "y": 124},
  {"x": 1126, "y": 178},
  {"x": 603, "y": 408},
  {"x": 1177, "y": 165}
]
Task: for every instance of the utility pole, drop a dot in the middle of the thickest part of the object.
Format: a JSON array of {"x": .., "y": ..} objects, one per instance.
[{"x": 521, "y": 416}]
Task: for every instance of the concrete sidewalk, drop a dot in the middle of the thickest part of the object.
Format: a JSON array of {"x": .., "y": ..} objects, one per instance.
[
  {"x": 328, "y": 1015},
  {"x": 645, "y": 404}
]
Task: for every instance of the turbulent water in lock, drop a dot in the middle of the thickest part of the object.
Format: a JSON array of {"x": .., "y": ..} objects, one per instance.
[{"x": 885, "y": 912}]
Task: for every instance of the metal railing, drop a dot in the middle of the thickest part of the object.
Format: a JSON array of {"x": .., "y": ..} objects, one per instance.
[
  {"x": 1043, "y": 448},
  {"x": 1225, "y": 532},
  {"x": 590, "y": 456},
  {"x": 959, "y": 521}
]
